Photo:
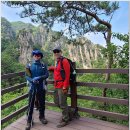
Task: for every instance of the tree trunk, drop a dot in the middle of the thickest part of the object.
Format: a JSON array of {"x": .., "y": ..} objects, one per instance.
[{"x": 109, "y": 64}]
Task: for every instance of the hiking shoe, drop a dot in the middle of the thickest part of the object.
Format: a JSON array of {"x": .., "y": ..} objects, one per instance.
[
  {"x": 36, "y": 108},
  {"x": 28, "y": 127},
  {"x": 43, "y": 121},
  {"x": 62, "y": 124},
  {"x": 61, "y": 120}
]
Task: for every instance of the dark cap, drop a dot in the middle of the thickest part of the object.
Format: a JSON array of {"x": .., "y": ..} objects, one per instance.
[{"x": 37, "y": 52}]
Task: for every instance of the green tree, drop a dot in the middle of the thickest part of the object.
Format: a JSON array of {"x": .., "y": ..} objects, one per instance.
[
  {"x": 121, "y": 58},
  {"x": 9, "y": 59},
  {"x": 80, "y": 17}
]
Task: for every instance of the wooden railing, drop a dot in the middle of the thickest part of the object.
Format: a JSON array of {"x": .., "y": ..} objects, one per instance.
[{"x": 73, "y": 94}]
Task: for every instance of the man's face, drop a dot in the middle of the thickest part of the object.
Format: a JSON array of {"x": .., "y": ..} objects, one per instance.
[
  {"x": 57, "y": 53},
  {"x": 37, "y": 57}
]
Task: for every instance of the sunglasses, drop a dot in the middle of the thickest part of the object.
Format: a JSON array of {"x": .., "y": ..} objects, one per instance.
[
  {"x": 56, "y": 51},
  {"x": 37, "y": 55}
]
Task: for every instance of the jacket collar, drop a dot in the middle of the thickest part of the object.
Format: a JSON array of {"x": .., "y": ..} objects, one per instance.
[
  {"x": 58, "y": 59},
  {"x": 36, "y": 62}
]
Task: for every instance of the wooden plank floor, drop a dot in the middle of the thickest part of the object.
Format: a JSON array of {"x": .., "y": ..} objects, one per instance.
[{"x": 76, "y": 124}]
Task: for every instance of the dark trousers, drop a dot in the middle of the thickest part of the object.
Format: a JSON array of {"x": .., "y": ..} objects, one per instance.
[
  {"x": 36, "y": 103},
  {"x": 41, "y": 100}
]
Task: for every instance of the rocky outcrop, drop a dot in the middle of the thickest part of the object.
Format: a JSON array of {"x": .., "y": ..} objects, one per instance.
[
  {"x": 83, "y": 51},
  {"x": 82, "y": 54},
  {"x": 7, "y": 32},
  {"x": 26, "y": 41}
]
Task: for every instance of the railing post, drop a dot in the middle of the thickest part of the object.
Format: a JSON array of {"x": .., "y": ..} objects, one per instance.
[{"x": 73, "y": 91}]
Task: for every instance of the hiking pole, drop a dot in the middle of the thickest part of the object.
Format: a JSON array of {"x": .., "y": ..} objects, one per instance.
[{"x": 29, "y": 108}]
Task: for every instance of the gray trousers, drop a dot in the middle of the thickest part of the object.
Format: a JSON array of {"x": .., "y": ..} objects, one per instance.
[{"x": 60, "y": 99}]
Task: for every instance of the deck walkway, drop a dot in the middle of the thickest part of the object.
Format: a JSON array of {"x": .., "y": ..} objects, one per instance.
[{"x": 76, "y": 124}]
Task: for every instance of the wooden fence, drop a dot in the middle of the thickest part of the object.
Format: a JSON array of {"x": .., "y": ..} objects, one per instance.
[{"x": 73, "y": 94}]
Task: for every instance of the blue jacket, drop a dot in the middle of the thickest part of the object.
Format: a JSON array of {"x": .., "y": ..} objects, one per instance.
[{"x": 37, "y": 69}]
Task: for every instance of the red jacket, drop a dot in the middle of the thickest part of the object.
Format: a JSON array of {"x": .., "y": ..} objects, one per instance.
[{"x": 57, "y": 75}]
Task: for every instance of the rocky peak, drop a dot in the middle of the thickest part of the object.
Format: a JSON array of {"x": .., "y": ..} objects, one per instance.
[
  {"x": 83, "y": 54},
  {"x": 82, "y": 51}
]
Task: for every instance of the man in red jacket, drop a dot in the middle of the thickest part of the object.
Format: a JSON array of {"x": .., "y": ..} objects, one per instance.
[{"x": 61, "y": 85}]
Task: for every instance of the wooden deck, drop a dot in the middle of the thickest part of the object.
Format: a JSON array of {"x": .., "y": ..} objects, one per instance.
[{"x": 76, "y": 124}]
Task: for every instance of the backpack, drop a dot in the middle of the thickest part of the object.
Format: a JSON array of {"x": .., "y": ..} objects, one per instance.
[{"x": 72, "y": 70}]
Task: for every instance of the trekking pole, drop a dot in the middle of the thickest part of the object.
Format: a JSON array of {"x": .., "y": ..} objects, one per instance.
[
  {"x": 29, "y": 109},
  {"x": 33, "y": 95}
]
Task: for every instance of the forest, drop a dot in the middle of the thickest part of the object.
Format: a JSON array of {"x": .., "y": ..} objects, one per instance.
[{"x": 112, "y": 56}]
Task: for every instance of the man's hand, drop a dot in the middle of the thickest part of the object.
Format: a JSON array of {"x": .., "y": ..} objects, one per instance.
[
  {"x": 51, "y": 68},
  {"x": 65, "y": 90}
]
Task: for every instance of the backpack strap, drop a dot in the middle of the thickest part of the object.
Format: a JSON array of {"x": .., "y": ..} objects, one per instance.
[
  {"x": 70, "y": 62},
  {"x": 61, "y": 62},
  {"x": 28, "y": 70},
  {"x": 42, "y": 65}
]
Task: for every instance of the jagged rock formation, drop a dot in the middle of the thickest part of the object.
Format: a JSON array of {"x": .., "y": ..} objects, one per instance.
[
  {"x": 83, "y": 54},
  {"x": 29, "y": 37}
]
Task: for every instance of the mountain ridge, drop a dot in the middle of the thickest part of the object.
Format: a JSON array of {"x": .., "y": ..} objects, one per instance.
[{"x": 29, "y": 37}]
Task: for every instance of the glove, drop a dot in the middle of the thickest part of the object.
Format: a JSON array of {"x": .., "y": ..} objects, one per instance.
[{"x": 35, "y": 80}]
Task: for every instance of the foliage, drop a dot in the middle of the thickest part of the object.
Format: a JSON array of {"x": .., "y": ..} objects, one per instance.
[
  {"x": 122, "y": 55},
  {"x": 79, "y": 16},
  {"x": 111, "y": 93},
  {"x": 9, "y": 60},
  {"x": 121, "y": 37},
  {"x": 71, "y": 14},
  {"x": 17, "y": 26},
  {"x": 36, "y": 46},
  {"x": 7, "y": 31},
  {"x": 8, "y": 97}
]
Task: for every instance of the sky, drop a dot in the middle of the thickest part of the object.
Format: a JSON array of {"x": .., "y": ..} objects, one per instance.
[{"x": 120, "y": 22}]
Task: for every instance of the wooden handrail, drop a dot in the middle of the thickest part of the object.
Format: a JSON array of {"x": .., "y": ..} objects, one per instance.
[
  {"x": 10, "y": 103},
  {"x": 12, "y": 75},
  {"x": 99, "y": 99},
  {"x": 10, "y": 89},
  {"x": 105, "y": 113},
  {"x": 104, "y": 85},
  {"x": 5, "y": 119},
  {"x": 105, "y": 99},
  {"x": 98, "y": 112},
  {"x": 74, "y": 96},
  {"x": 97, "y": 85},
  {"x": 119, "y": 71},
  {"x": 93, "y": 98}
]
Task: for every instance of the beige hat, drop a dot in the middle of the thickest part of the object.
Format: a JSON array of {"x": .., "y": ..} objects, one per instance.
[{"x": 57, "y": 48}]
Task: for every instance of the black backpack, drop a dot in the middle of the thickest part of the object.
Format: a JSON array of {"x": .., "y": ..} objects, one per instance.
[{"x": 72, "y": 70}]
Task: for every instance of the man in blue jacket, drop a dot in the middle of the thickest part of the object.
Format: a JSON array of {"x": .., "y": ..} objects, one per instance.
[{"x": 36, "y": 74}]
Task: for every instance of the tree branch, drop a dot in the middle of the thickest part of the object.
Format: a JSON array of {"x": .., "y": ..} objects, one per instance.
[
  {"x": 91, "y": 14},
  {"x": 104, "y": 35}
]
